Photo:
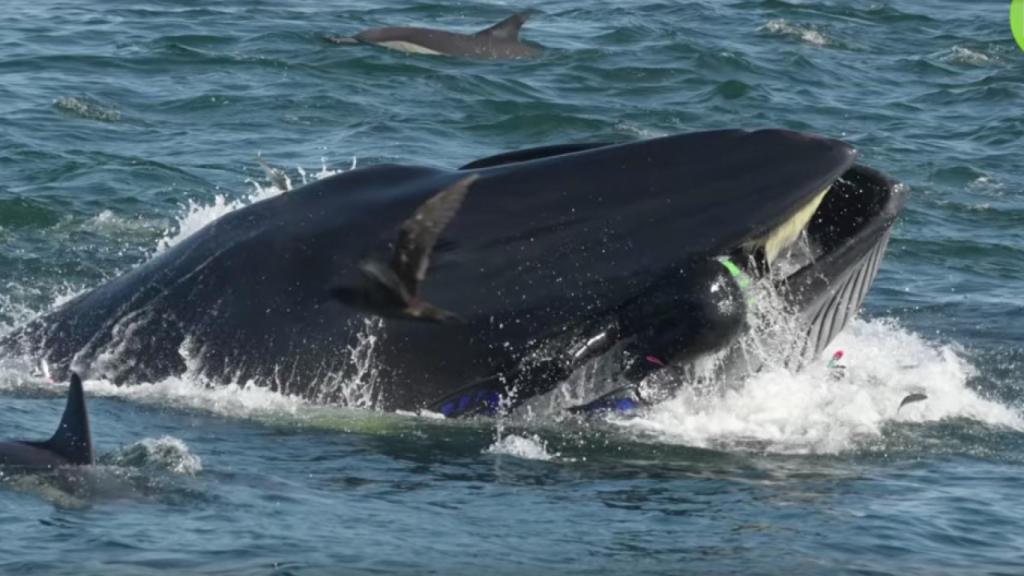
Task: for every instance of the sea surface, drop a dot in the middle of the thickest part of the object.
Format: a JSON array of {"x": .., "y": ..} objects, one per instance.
[{"x": 125, "y": 126}]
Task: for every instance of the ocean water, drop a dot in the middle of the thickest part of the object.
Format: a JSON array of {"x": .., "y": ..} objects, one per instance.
[{"x": 126, "y": 126}]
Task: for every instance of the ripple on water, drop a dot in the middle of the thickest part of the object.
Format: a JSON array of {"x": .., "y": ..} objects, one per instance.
[
  {"x": 967, "y": 56},
  {"x": 803, "y": 32},
  {"x": 87, "y": 108},
  {"x": 162, "y": 454}
]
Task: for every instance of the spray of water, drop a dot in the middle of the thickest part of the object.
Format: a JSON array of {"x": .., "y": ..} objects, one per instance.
[
  {"x": 199, "y": 214},
  {"x": 359, "y": 386},
  {"x": 812, "y": 411}
]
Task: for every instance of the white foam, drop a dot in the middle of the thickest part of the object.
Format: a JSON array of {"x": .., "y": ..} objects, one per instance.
[
  {"x": 809, "y": 412},
  {"x": 111, "y": 223},
  {"x": 168, "y": 453},
  {"x": 529, "y": 447},
  {"x": 635, "y": 130},
  {"x": 806, "y": 34},
  {"x": 87, "y": 108},
  {"x": 14, "y": 308},
  {"x": 961, "y": 55},
  {"x": 774, "y": 411},
  {"x": 198, "y": 215},
  {"x": 236, "y": 400}
]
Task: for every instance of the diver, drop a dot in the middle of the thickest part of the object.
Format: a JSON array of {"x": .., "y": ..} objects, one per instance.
[{"x": 698, "y": 309}]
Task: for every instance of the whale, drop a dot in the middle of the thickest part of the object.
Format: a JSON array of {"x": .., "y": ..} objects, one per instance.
[
  {"x": 472, "y": 290},
  {"x": 500, "y": 41},
  {"x": 70, "y": 445}
]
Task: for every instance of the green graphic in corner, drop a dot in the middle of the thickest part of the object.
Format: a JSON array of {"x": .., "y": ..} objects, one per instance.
[{"x": 1017, "y": 21}]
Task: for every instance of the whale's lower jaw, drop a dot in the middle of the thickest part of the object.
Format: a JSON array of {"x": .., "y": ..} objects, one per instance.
[
  {"x": 850, "y": 233},
  {"x": 825, "y": 280}
]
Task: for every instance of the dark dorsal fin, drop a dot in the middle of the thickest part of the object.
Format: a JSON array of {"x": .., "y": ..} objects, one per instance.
[
  {"x": 507, "y": 29},
  {"x": 72, "y": 440}
]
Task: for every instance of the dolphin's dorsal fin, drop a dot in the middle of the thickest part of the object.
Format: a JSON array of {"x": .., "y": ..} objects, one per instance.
[
  {"x": 72, "y": 440},
  {"x": 507, "y": 29}
]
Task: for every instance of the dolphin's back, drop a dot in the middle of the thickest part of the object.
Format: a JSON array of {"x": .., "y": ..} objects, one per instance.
[{"x": 498, "y": 41}]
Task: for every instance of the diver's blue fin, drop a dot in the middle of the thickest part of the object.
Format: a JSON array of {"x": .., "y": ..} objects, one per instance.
[
  {"x": 72, "y": 440},
  {"x": 621, "y": 400},
  {"x": 479, "y": 398}
]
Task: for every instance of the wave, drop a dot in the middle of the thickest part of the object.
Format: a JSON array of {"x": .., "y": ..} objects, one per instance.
[
  {"x": 528, "y": 447},
  {"x": 966, "y": 56},
  {"x": 804, "y": 33},
  {"x": 86, "y": 108},
  {"x": 167, "y": 454}
]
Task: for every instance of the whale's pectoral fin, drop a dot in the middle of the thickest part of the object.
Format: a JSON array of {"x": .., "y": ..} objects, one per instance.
[
  {"x": 419, "y": 234},
  {"x": 507, "y": 29},
  {"x": 383, "y": 277},
  {"x": 395, "y": 285},
  {"x": 620, "y": 400}
]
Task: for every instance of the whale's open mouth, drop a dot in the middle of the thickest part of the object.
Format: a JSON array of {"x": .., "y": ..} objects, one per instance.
[
  {"x": 852, "y": 209},
  {"x": 822, "y": 259},
  {"x": 827, "y": 254},
  {"x": 787, "y": 240}
]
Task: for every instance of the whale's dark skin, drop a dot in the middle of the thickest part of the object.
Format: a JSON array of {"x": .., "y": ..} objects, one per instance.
[
  {"x": 500, "y": 41},
  {"x": 548, "y": 245},
  {"x": 70, "y": 445}
]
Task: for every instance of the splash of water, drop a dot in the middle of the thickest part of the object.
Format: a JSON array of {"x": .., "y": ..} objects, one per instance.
[
  {"x": 197, "y": 214},
  {"x": 164, "y": 454},
  {"x": 359, "y": 386},
  {"x": 809, "y": 411},
  {"x": 962, "y": 55},
  {"x": 804, "y": 33},
  {"x": 527, "y": 447},
  {"x": 86, "y": 108},
  {"x": 190, "y": 392}
]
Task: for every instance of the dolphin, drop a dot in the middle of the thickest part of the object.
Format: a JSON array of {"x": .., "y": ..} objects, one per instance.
[
  {"x": 456, "y": 290},
  {"x": 500, "y": 41},
  {"x": 71, "y": 444}
]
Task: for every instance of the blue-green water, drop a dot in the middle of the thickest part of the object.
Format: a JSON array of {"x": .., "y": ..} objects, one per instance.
[{"x": 121, "y": 124}]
